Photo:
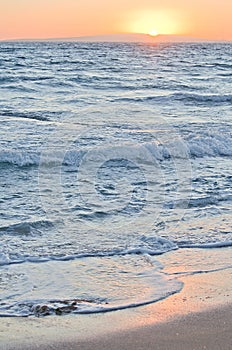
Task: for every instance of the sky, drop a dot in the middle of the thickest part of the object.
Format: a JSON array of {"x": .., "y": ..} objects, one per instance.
[{"x": 24, "y": 19}]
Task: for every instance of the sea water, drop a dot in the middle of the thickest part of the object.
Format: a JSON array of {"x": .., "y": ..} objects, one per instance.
[{"x": 110, "y": 154}]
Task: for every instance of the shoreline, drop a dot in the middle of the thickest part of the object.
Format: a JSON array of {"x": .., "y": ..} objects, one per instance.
[
  {"x": 196, "y": 331},
  {"x": 199, "y": 315}
]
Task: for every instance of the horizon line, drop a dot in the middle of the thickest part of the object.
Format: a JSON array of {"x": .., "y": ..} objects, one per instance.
[{"x": 151, "y": 37}]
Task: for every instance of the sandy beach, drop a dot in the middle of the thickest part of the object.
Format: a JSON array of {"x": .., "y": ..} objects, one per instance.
[
  {"x": 206, "y": 330},
  {"x": 199, "y": 317}
]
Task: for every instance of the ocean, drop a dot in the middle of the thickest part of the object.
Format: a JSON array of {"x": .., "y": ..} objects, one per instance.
[{"x": 111, "y": 154}]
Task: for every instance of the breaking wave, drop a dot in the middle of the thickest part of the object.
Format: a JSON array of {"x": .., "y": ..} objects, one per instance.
[{"x": 198, "y": 146}]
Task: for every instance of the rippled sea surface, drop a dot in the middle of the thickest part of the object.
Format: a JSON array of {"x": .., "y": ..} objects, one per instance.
[{"x": 110, "y": 154}]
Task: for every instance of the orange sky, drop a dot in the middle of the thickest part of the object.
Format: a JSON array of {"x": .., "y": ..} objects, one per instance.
[{"x": 209, "y": 19}]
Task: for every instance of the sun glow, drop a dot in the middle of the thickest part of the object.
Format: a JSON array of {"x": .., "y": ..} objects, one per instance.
[
  {"x": 153, "y": 32},
  {"x": 155, "y": 22}
]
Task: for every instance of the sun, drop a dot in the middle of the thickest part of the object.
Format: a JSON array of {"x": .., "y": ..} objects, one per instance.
[
  {"x": 153, "y": 32},
  {"x": 155, "y": 22}
]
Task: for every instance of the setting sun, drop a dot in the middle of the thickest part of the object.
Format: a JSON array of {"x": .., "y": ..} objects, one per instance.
[
  {"x": 155, "y": 22},
  {"x": 153, "y": 32}
]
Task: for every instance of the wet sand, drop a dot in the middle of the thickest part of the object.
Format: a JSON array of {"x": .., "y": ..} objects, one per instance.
[
  {"x": 207, "y": 330},
  {"x": 199, "y": 317}
]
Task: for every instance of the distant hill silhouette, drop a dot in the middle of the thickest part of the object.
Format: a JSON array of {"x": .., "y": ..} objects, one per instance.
[
  {"x": 136, "y": 38},
  {"x": 126, "y": 38},
  {"x": 133, "y": 38}
]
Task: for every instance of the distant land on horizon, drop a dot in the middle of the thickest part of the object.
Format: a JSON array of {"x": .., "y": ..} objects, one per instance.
[
  {"x": 134, "y": 38},
  {"x": 127, "y": 38}
]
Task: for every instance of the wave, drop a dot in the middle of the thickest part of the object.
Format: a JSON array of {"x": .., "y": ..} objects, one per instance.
[
  {"x": 211, "y": 99},
  {"x": 19, "y": 87},
  {"x": 7, "y": 79},
  {"x": 19, "y": 158},
  {"x": 222, "y": 65},
  {"x": 150, "y": 246},
  {"x": 78, "y": 289},
  {"x": 207, "y": 245},
  {"x": 40, "y": 308},
  {"x": 34, "y": 116},
  {"x": 217, "y": 144},
  {"x": 190, "y": 98},
  {"x": 199, "y": 202},
  {"x": 26, "y": 228},
  {"x": 162, "y": 285},
  {"x": 36, "y": 78},
  {"x": 197, "y": 146}
]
